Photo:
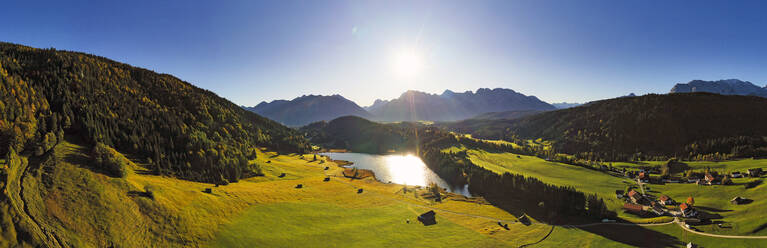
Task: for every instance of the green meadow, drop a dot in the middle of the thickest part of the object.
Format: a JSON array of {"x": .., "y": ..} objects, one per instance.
[{"x": 748, "y": 219}]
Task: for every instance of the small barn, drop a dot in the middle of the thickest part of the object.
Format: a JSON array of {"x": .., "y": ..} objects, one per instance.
[
  {"x": 658, "y": 209},
  {"x": 739, "y": 200},
  {"x": 619, "y": 194},
  {"x": 736, "y": 174},
  {"x": 428, "y": 218}
]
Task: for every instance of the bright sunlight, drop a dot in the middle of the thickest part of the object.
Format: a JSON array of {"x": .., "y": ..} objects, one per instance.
[{"x": 407, "y": 63}]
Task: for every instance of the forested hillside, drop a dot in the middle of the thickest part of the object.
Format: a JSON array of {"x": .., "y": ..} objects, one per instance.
[
  {"x": 700, "y": 126},
  {"x": 361, "y": 135},
  {"x": 175, "y": 127}
]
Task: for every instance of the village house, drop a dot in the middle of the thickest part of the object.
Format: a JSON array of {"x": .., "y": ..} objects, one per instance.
[
  {"x": 672, "y": 180},
  {"x": 687, "y": 210},
  {"x": 690, "y": 201},
  {"x": 693, "y": 178},
  {"x": 633, "y": 208},
  {"x": 658, "y": 209},
  {"x": 710, "y": 179},
  {"x": 635, "y": 197},
  {"x": 665, "y": 200},
  {"x": 643, "y": 177}
]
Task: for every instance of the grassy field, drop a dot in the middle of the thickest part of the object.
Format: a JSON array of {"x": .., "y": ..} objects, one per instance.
[
  {"x": 749, "y": 219},
  {"x": 582, "y": 179}
]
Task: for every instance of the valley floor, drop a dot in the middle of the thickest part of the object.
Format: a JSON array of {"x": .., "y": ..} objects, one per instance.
[{"x": 85, "y": 208}]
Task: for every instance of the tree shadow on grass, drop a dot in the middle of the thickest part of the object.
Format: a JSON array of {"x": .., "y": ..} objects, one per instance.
[
  {"x": 753, "y": 184},
  {"x": 760, "y": 228},
  {"x": 715, "y": 210},
  {"x": 139, "y": 194},
  {"x": 632, "y": 235}
]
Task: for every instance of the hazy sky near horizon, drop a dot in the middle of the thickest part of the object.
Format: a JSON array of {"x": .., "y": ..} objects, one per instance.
[{"x": 253, "y": 51}]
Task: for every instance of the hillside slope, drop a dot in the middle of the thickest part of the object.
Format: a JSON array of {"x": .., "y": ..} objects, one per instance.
[
  {"x": 307, "y": 109},
  {"x": 177, "y": 128},
  {"x": 683, "y": 125}
]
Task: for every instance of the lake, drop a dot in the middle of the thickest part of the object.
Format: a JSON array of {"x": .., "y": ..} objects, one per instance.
[{"x": 400, "y": 169}]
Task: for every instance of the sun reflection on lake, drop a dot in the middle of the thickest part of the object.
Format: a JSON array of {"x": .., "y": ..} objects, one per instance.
[
  {"x": 407, "y": 169},
  {"x": 400, "y": 169}
]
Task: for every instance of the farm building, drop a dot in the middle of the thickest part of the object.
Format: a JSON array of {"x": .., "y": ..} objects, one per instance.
[
  {"x": 665, "y": 200},
  {"x": 428, "y": 218},
  {"x": 687, "y": 210},
  {"x": 657, "y": 208},
  {"x": 709, "y": 179},
  {"x": 619, "y": 194},
  {"x": 635, "y": 197},
  {"x": 672, "y": 180},
  {"x": 739, "y": 200},
  {"x": 634, "y": 208},
  {"x": 643, "y": 177}
]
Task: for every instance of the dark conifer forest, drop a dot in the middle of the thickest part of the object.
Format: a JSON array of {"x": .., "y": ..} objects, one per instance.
[{"x": 174, "y": 127}]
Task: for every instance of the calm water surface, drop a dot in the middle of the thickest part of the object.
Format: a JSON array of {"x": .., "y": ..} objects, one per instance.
[{"x": 399, "y": 169}]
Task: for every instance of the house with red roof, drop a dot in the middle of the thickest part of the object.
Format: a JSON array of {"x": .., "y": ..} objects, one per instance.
[
  {"x": 687, "y": 210},
  {"x": 665, "y": 200},
  {"x": 634, "y": 208}
]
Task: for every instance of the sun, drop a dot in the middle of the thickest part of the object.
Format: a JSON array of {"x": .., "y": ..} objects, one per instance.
[{"x": 407, "y": 63}]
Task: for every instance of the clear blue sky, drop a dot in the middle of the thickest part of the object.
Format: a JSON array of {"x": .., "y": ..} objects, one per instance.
[{"x": 251, "y": 51}]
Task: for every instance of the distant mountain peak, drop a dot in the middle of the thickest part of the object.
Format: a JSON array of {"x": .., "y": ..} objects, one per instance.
[
  {"x": 723, "y": 87},
  {"x": 308, "y": 109}
]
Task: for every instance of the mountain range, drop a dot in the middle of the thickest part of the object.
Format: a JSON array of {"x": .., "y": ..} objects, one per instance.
[
  {"x": 309, "y": 108},
  {"x": 410, "y": 106},
  {"x": 723, "y": 87},
  {"x": 452, "y": 106},
  {"x": 564, "y": 105}
]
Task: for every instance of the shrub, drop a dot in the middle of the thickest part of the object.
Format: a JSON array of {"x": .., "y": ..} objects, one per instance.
[
  {"x": 110, "y": 161},
  {"x": 149, "y": 191}
]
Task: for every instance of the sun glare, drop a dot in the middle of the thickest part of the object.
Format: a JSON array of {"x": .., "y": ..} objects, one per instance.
[
  {"x": 407, "y": 169},
  {"x": 407, "y": 63}
]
